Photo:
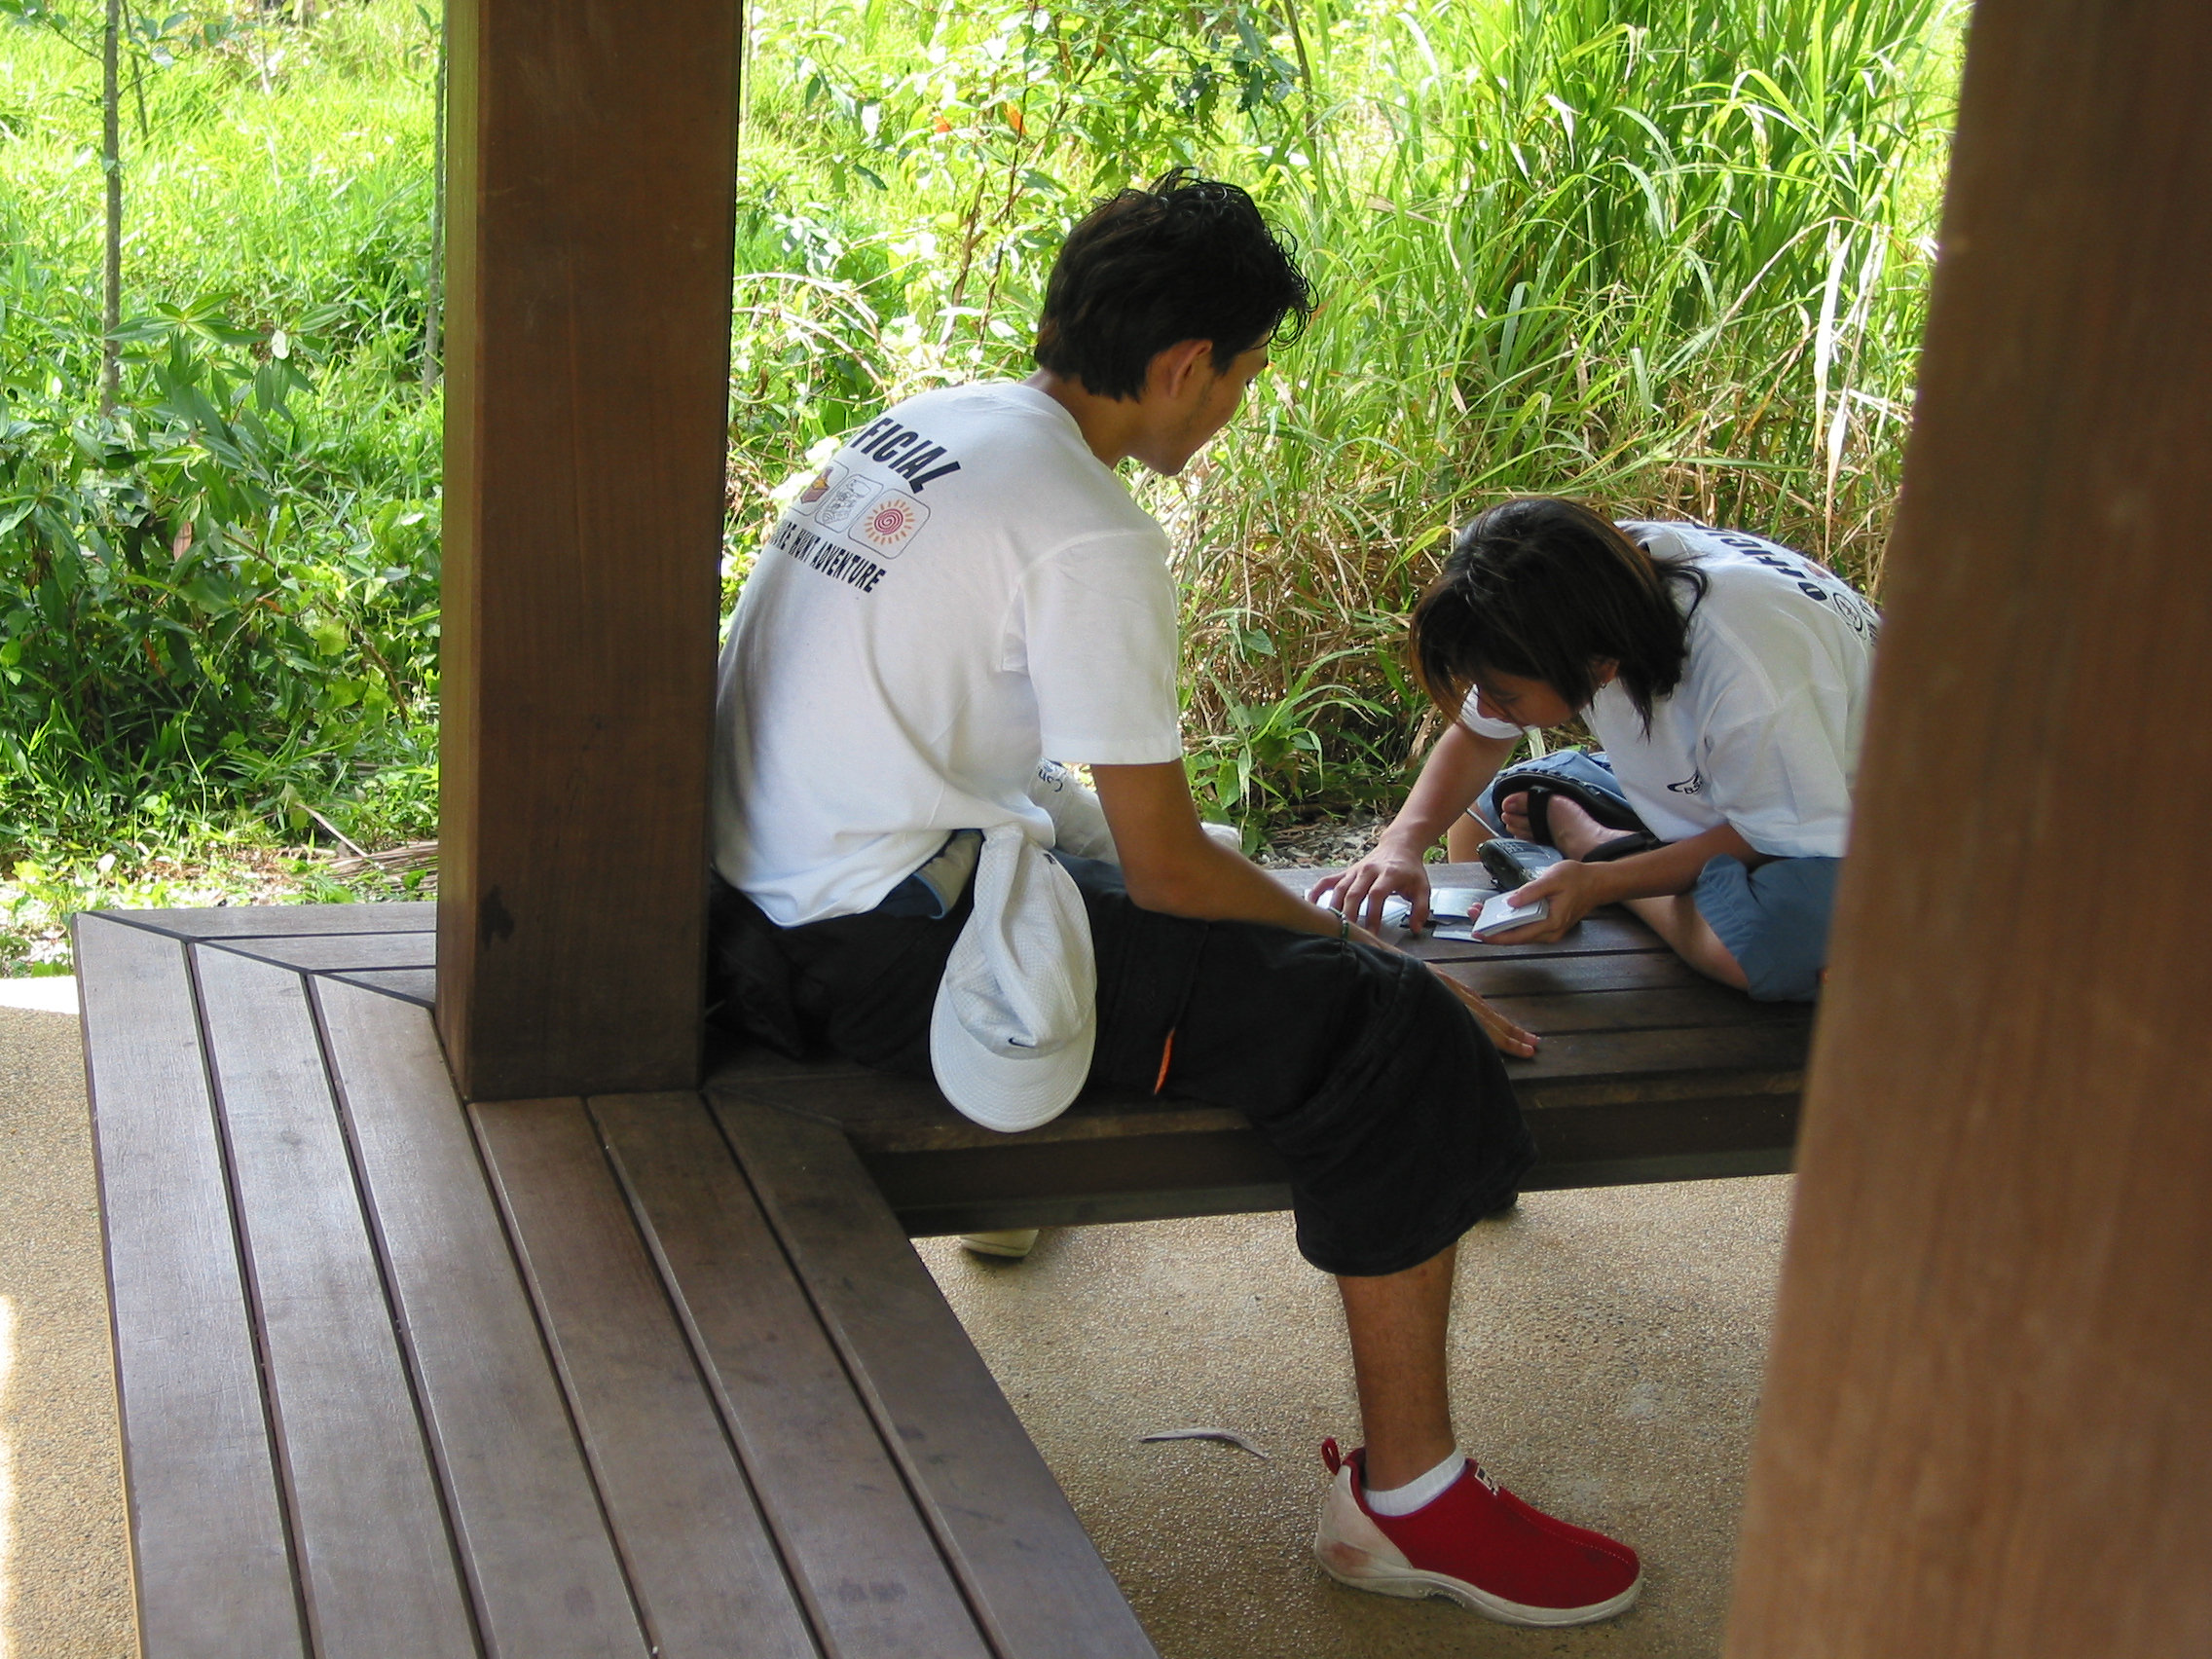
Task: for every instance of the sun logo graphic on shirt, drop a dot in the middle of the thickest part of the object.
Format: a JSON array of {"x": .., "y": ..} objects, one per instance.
[{"x": 891, "y": 521}]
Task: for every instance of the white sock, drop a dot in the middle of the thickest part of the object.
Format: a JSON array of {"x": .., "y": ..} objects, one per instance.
[{"x": 1421, "y": 1493}]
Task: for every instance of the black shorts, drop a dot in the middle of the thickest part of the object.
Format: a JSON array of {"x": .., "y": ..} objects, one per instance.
[{"x": 1383, "y": 1096}]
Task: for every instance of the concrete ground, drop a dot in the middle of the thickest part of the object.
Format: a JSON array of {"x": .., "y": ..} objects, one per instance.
[
  {"x": 1607, "y": 1357},
  {"x": 1607, "y": 1360},
  {"x": 64, "y": 1567}
]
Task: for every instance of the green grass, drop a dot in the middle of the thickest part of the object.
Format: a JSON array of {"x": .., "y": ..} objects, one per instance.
[{"x": 1670, "y": 256}]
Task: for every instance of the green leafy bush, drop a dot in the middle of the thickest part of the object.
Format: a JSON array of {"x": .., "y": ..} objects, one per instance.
[{"x": 1672, "y": 256}]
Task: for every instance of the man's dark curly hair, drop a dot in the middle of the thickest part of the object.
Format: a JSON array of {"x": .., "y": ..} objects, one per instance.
[{"x": 1189, "y": 259}]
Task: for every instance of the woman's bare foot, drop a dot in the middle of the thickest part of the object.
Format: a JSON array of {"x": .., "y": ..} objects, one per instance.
[{"x": 1575, "y": 831}]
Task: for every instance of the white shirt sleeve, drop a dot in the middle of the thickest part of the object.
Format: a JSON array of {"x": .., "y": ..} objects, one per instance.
[
  {"x": 1095, "y": 629},
  {"x": 1481, "y": 724}
]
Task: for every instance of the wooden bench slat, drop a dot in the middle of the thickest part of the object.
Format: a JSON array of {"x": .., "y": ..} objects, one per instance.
[
  {"x": 1081, "y": 1183},
  {"x": 1605, "y": 932},
  {"x": 1546, "y": 975},
  {"x": 534, "y": 1540},
  {"x": 321, "y": 953},
  {"x": 1701, "y": 1007},
  {"x": 706, "y": 1573},
  {"x": 210, "y": 1556},
  {"x": 1031, "y": 1572},
  {"x": 873, "y": 1576},
  {"x": 1625, "y": 1055},
  {"x": 284, "y": 921},
  {"x": 883, "y": 1113},
  {"x": 375, "y": 1565},
  {"x": 410, "y": 985},
  {"x": 1611, "y": 928}
]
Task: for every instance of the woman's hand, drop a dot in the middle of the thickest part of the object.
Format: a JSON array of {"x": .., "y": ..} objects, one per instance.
[
  {"x": 1359, "y": 891},
  {"x": 1508, "y": 1038},
  {"x": 1574, "y": 889}
]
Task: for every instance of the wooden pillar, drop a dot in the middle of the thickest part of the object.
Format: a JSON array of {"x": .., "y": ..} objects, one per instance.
[
  {"x": 1987, "y": 1429},
  {"x": 586, "y": 395}
]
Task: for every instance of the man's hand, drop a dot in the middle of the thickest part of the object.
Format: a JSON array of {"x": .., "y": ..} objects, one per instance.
[
  {"x": 1391, "y": 869},
  {"x": 1507, "y": 1037}
]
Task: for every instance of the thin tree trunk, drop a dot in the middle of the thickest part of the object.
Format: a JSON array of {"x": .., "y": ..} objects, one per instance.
[
  {"x": 139, "y": 78},
  {"x": 111, "y": 167},
  {"x": 1314, "y": 132},
  {"x": 434, "y": 279}
]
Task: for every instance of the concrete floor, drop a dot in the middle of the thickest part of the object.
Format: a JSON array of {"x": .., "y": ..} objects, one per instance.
[
  {"x": 64, "y": 1568},
  {"x": 1607, "y": 1358}
]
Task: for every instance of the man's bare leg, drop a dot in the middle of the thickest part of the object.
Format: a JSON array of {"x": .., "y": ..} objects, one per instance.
[
  {"x": 1397, "y": 1324},
  {"x": 1674, "y": 917}
]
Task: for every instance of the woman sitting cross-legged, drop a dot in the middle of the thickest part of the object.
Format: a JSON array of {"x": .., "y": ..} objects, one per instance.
[{"x": 1725, "y": 678}]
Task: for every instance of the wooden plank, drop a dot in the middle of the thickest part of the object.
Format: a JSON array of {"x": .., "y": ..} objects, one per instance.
[
  {"x": 864, "y": 1561},
  {"x": 323, "y": 954},
  {"x": 375, "y": 1565},
  {"x": 533, "y": 1541},
  {"x": 209, "y": 1556},
  {"x": 409, "y": 984},
  {"x": 701, "y": 1561},
  {"x": 1081, "y": 1183},
  {"x": 1603, "y": 930},
  {"x": 1035, "y": 1581},
  {"x": 589, "y": 248},
  {"x": 1697, "y": 1007},
  {"x": 1613, "y": 1138},
  {"x": 1985, "y": 1430},
  {"x": 1609, "y": 1143},
  {"x": 281, "y": 921},
  {"x": 1548, "y": 976},
  {"x": 882, "y": 1113},
  {"x": 1609, "y": 929},
  {"x": 1621, "y": 1055}
]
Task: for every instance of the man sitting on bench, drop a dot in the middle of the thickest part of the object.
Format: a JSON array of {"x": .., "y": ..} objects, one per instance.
[{"x": 966, "y": 590}]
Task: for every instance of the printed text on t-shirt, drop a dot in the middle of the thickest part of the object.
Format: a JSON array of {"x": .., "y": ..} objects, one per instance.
[
  {"x": 904, "y": 450},
  {"x": 831, "y": 558},
  {"x": 1814, "y": 581}
]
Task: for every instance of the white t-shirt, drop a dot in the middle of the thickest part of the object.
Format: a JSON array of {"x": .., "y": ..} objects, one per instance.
[
  {"x": 961, "y": 591},
  {"x": 1763, "y": 730}
]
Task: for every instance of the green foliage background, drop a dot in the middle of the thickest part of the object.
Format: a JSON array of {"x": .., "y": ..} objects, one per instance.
[{"x": 1668, "y": 255}]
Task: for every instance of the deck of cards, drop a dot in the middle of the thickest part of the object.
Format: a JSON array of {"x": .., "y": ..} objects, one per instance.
[{"x": 1501, "y": 915}]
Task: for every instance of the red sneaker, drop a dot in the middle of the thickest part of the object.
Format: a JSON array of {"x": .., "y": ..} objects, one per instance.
[{"x": 1477, "y": 1544}]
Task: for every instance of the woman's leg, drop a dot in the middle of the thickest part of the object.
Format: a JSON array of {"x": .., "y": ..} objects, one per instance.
[
  {"x": 1674, "y": 917},
  {"x": 1675, "y": 920}
]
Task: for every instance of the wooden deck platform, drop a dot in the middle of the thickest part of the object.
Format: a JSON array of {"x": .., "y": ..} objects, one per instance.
[
  {"x": 660, "y": 1374},
  {"x": 625, "y": 1376}
]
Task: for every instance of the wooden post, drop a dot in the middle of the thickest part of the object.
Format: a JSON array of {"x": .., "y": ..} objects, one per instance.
[
  {"x": 592, "y": 155},
  {"x": 1987, "y": 1429}
]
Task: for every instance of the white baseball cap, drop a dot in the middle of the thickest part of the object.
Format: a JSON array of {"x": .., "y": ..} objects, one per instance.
[{"x": 1017, "y": 1015}]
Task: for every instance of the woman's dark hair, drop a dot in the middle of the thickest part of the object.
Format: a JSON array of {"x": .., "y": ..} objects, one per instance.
[
  {"x": 1189, "y": 259},
  {"x": 1543, "y": 589}
]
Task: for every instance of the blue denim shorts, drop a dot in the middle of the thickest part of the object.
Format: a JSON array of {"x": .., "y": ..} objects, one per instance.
[{"x": 1774, "y": 921}]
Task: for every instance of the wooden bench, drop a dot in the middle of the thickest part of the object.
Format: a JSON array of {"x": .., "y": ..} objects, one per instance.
[
  {"x": 1647, "y": 1072},
  {"x": 660, "y": 1374}
]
